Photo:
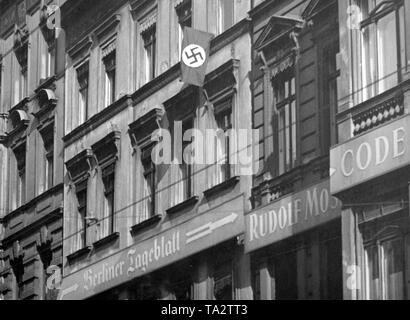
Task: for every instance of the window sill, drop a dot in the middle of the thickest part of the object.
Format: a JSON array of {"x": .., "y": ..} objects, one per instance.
[
  {"x": 106, "y": 240},
  {"x": 230, "y": 183},
  {"x": 79, "y": 254},
  {"x": 145, "y": 224},
  {"x": 183, "y": 205}
]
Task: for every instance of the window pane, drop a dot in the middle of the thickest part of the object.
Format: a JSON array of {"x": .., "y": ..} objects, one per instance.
[
  {"x": 402, "y": 39},
  {"x": 223, "y": 282},
  {"x": 294, "y": 137},
  {"x": 226, "y": 14},
  {"x": 372, "y": 274},
  {"x": 393, "y": 270},
  {"x": 368, "y": 62},
  {"x": 387, "y": 52}
]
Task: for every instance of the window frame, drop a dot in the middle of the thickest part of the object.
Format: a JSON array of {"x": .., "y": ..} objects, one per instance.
[
  {"x": 20, "y": 154},
  {"x": 184, "y": 19},
  {"x": 376, "y": 232},
  {"x": 149, "y": 40},
  {"x": 149, "y": 171},
  {"x": 290, "y": 101},
  {"x": 47, "y": 135},
  {"x": 224, "y": 109},
  {"x": 82, "y": 188},
  {"x": 373, "y": 89},
  {"x": 83, "y": 80},
  {"x": 110, "y": 74},
  {"x": 187, "y": 169},
  {"x": 108, "y": 177},
  {"x": 220, "y": 14}
]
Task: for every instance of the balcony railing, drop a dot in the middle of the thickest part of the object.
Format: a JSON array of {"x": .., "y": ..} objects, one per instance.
[
  {"x": 382, "y": 112},
  {"x": 378, "y": 110}
]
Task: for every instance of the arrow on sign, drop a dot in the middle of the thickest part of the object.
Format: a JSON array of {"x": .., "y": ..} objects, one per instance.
[
  {"x": 207, "y": 229},
  {"x": 332, "y": 171},
  {"x": 68, "y": 291}
]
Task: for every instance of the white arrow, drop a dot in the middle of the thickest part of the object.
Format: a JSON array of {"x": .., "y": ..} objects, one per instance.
[
  {"x": 208, "y": 228},
  {"x": 332, "y": 171},
  {"x": 68, "y": 291}
]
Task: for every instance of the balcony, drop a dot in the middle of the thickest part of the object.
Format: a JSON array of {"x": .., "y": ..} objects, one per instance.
[{"x": 378, "y": 110}]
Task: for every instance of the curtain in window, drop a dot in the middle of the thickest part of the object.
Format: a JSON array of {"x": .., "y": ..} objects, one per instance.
[
  {"x": 387, "y": 52},
  {"x": 217, "y": 148},
  {"x": 177, "y": 184}
]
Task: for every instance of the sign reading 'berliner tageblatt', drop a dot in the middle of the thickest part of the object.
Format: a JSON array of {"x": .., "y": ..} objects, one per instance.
[
  {"x": 192, "y": 236},
  {"x": 291, "y": 215}
]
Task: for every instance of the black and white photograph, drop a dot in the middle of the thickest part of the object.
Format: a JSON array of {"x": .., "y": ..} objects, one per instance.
[{"x": 209, "y": 150}]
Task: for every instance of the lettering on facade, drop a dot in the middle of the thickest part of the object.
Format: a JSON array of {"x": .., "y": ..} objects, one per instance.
[
  {"x": 161, "y": 248},
  {"x": 370, "y": 156},
  {"x": 291, "y": 215},
  {"x": 193, "y": 236},
  {"x": 135, "y": 260}
]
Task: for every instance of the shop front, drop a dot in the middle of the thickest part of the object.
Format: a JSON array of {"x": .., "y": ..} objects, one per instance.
[
  {"x": 371, "y": 177},
  {"x": 295, "y": 246},
  {"x": 198, "y": 259}
]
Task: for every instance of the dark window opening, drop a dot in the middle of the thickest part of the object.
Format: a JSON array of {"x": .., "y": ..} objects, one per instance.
[
  {"x": 81, "y": 192},
  {"x": 285, "y": 102},
  {"x": 110, "y": 68},
  {"x": 150, "y": 43},
  {"x": 83, "y": 78}
]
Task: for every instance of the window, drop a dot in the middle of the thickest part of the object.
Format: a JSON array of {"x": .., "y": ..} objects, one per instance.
[
  {"x": 149, "y": 185},
  {"x": 225, "y": 15},
  {"x": 110, "y": 66},
  {"x": 223, "y": 282},
  {"x": 83, "y": 78},
  {"x": 79, "y": 168},
  {"x": 221, "y": 157},
  {"x": 385, "y": 246},
  {"x": 184, "y": 13},
  {"x": 20, "y": 177},
  {"x": 285, "y": 102},
  {"x": 328, "y": 94},
  {"x": 186, "y": 169},
  {"x": 48, "y": 166},
  {"x": 109, "y": 179},
  {"x": 149, "y": 38},
  {"x": 81, "y": 192},
  {"x": 256, "y": 284},
  {"x": 20, "y": 85},
  {"x": 47, "y": 62},
  {"x": 382, "y": 46},
  {"x": 385, "y": 270}
]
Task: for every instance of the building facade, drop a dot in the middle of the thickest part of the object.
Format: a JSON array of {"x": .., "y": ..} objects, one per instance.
[
  {"x": 293, "y": 235},
  {"x": 31, "y": 154},
  {"x": 370, "y": 162},
  {"x": 97, "y": 130},
  {"x": 133, "y": 228}
]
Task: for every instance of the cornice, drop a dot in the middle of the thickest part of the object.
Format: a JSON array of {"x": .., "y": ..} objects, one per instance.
[
  {"x": 107, "y": 26},
  {"x": 80, "y": 47}
]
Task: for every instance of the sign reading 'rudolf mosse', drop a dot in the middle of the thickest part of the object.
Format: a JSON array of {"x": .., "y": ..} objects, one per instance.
[
  {"x": 371, "y": 155},
  {"x": 291, "y": 215}
]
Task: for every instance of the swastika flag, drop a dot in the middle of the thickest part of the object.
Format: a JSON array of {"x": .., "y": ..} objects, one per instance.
[{"x": 194, "y": 56}]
